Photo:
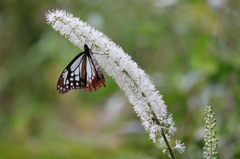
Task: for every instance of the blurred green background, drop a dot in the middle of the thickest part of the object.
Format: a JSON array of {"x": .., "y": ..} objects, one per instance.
[{"x": 189, "y": 48}]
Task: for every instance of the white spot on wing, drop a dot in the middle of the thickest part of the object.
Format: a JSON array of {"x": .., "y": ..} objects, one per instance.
[
  {"x": 64, "y": 74},
  {"x": 89, "y": 68},
  {"x": 77, "y": 78},
  {"x": 76, "y": 63},
  {"x": 77, "y": 71}
]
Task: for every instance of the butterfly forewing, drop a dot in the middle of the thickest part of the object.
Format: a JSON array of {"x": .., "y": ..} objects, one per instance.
[{"x": 82, "y": 72}]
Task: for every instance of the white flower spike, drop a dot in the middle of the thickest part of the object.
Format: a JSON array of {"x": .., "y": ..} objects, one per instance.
[{"x": 142, "y": 94}]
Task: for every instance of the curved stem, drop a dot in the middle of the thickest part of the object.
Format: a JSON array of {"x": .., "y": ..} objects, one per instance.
[{"x": 169, "y": 147}]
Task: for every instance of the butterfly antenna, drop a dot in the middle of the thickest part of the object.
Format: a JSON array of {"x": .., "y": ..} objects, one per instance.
[
  {"x": 91, "y": 46},
  {"x": 87, "y": 36}
]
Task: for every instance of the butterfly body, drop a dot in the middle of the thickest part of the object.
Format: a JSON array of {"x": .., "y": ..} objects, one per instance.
[{"x": 83, "y": 72}]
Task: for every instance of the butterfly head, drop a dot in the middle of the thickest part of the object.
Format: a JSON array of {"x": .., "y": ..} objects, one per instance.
[{"x": 86, "y": 47}]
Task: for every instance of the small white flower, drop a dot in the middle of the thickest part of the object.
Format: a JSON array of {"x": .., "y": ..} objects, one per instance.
[
  {"x": 164, "y": 151},
  {"x": 172, "y": 130},
  {"x": 179, "y": 147}
]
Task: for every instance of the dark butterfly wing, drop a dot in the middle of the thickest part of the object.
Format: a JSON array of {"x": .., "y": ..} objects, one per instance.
[{"x": 83, "y": 72}]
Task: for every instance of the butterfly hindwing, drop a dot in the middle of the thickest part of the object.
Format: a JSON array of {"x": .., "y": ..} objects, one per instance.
[{"x": 83, "y": 72}]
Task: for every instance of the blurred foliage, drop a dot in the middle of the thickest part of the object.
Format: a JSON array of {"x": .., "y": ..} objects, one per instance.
[{"x": 190, "y": 49}]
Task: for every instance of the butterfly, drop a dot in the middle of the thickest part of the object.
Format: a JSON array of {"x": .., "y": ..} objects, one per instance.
[{"x": 83, "y": 72}]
